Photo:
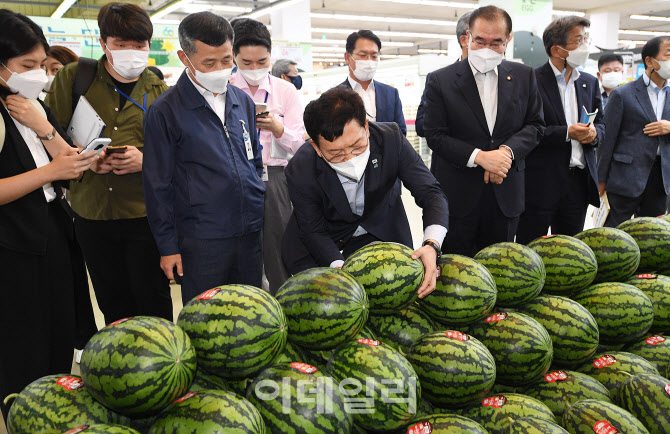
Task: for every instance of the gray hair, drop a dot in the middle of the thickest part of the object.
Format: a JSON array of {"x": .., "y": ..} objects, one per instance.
[
  {"x": 557, "y": 31},
  {"x": 206, "y": 27},
  {"x": 463, "y": 25},
  {"x": 282, "y": 66}
]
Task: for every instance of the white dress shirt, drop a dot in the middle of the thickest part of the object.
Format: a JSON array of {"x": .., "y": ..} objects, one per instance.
[
  {"x": 487, "y": 85},
  {"x": 657, "y": 97},
  {"x": 39, "y": 154},
  {"x": 368, "y": 96},
  {"x": 216, "y": 103},
  {"x": 568, "y": 93}
]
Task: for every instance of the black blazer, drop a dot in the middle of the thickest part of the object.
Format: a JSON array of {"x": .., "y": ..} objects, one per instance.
[
  {"x": 387, "y": 101},
  {"x": 455, "y": 124},
  {"x": 322, "y": 221},
  {"x": 547, "y": 166},
  {"x": 23, "y": 221}
]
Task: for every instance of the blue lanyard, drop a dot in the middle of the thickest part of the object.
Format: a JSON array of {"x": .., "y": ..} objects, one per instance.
[
  {"x": 144, "y": 109},
  {"x": 264, "y": 102}
]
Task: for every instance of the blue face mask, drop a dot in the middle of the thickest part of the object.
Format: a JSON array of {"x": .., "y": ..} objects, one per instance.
[{"x": 297, "y": 81}]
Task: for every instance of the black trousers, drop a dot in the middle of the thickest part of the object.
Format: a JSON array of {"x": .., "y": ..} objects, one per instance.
[
  {"x": 124, "y": 265},
  {"x": 37, "y": 310},
  {"x": 484, "y": 225},
  {"x": 84, "y": 316},
  {"x": 565, "y": 215},
  {"x": 278, "y": 211},
  {"x": 215, "y": 262},
  {"x": 651, "y": 203}
]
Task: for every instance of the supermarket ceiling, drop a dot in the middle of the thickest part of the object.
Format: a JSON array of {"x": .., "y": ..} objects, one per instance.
[{"x": 405, "y": 26}]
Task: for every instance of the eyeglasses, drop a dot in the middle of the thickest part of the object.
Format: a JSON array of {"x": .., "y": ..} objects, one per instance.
[
  {"x": 342, "y": 156},
  {"x": 581, "y": 41},
  {"x": 496, "y": 45},
  {"x": 366, "y": 56}
]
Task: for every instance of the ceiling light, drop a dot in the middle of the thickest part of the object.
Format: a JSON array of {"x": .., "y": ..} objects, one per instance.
[
  {"x": 265, "y": 10},
  {"x": 435, "y": 3},
  {"x": 642, "y": 32},
  {"x": 225, "y": 8},
  {"x": 567, "y": 13},
  {"x": 402, "y": 20},
  {"x": 343, "y": 42},
  {"x": 431, "y": 51},
  {"x": 649, "y": 18},
  {"x": 62, "y": 8},
  {"x": 387, "y": 33},
  {"x": 629, "y": 41},
  {"x": 170, "y": 8}
]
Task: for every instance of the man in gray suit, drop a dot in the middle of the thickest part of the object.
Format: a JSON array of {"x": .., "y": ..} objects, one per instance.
[{"x": 634, "y": 158}]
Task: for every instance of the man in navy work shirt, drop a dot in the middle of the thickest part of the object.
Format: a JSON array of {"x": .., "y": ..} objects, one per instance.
[{"x": 203, "y": 167}]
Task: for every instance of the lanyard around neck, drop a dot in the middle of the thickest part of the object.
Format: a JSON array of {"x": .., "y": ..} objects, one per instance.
[{"x": 144, "y": 108}]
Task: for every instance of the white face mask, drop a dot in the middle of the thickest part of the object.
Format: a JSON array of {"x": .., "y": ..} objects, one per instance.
[
  {"x": 483, "y": 59},
  {"x": 577, "y": 58},
  {"x": 50, "y": 80},
  {"x": 27, "y": 84},
  {"x": 254, "y": 77},
  {"x": 353, "y": 168},
  {"x": 664, "y": 72},
  {"x": 611, "y": 80},
  {"x": 365, "y": 69},
  {"x": 215, "y": 81},
  {"x": 129, "y": 64}
]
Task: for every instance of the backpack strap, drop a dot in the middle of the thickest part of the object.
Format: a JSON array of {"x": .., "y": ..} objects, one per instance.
[{"x": 83, "y": 78}]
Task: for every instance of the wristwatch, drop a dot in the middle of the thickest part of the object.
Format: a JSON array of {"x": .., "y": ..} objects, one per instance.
[
  {"x": 49, "y": 136},
  {"x": 434, "y": 246}
]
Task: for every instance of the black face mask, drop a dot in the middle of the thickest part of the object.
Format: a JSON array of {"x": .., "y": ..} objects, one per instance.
[{"x": 297, "y": 81}]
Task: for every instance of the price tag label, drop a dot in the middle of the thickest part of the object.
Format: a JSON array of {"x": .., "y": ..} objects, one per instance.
[
  {"x": 604, "y": 427},
  {"x": 604, "y": 361},
  {"x": 77, "y": 430},
  {"x": 647, "y": 276},
  {"x": 544, "y": 237},
  {"x": 497, "y": 317},
  {"x": 457, "y": 335},
  {"x": 556, "y": 376},
  {"x": 304, "y": 367},
  {"x": 494, "y": 401},
  {"x": 421, "y": 428},
  {"x": 654, "y": 340},
  {"x": 209, "y": 294},
  {"x": 119, "y": 321},
  {"x": 187, "y": 396},
  {"x": 70, "y": 383},
  {"x": 371, "y": 342}
]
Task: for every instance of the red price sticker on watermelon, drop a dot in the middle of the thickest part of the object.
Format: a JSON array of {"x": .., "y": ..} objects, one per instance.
[
  {"x": 457, "y": 335},
  {"x": 497, "y": 317},
  {"x": 667, "y": 388},
  {"x": 604, "y": 427},
  {"x": 209, "y": 294},
  {"x": 304, "y": 367},
  {"x": 421, "y": 428},
  {"x": 544, "y": 237},
  {"x": 494, "y": 401},
  {"x": 119, "y": 321},
  {"x": 556, "y": 376},
  {"x": 187, "y": 396},
  {"x": 77, "y": 430},
  {"x": 70, "y": 383},
  {"x": 654, "y": 340},
  {"x": 647, "y": 276},
  {"x": 371, "y": 342},
  {"x": 604, "y": 361},
  {"x": 439, "y": 270}
]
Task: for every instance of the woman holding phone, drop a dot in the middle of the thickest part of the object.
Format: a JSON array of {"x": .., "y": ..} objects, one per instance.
[{"x": 36, "y": 283}]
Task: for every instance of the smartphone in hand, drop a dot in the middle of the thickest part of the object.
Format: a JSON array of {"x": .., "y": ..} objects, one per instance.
[
  {"x": 116, "y": 149},
  {"x": 97, "y": 145}
]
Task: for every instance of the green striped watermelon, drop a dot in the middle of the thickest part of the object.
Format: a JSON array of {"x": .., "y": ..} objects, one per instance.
[
  {"x": 532, "y": 425},
  {"x": 455, "y": 369},
  {"x": 324, "y": 306},
  {"x": 573, "y": 330},
  {"x": 389, "y": 275},
  {"x": 667, "y": 372},
  {"x": 291, "y": 354},
  {"x": 570, "y": 263},
  {"x": 652, "y": 236},
  {"x": 592, "y": 416},
  {"x": 210, "y": 411},
  {"x": 605, "y": 348},
  {"x": 655, "y": 349},
  {"x": 520, "y": 345},
  {"x": 401, "y": 329},
  {"x": 381, "y": 379},
  {"x": 657, "y": 288},
  {"x": 102, "y": 429},
  {"x": 612, "y": 369},
  {"x": 237, "y": 330},
  {"x": 138, "y": 366},
  {"x": 517, "y": 270},
  {"x": 617, "y": 253},
  {"x": 647, "y": 397},
  {"x": 442, "y": 424},
  {"x": 465, "y": 292},
  {"x": 205, "y": 381},
  {"x": 558, "y": 390},
  {"x": 297, "y": 397},
  {"x": 57, "y": 403},
  {"x": 320, "y": 358},
  {"x": 623, "y": 312},
  {"x": 497, "y": 412}
]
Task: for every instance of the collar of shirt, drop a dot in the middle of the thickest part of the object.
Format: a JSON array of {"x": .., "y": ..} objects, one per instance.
[
  {"x": 356, "y": 85},
  {"x": 650, "y": 84},
  {"x": 560, "y": 75},
  {"x": 238, "y": 81},
  {"x": 475, "y": 71}
]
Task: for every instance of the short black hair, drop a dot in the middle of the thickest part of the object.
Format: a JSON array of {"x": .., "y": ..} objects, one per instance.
[
  {"x": 365, "y": 34},
  {"x": 250, "y": 32},
  {"x": 206, "y": 27},
  {"x": 607, "y": 58},
  {"x": 557, "y": 31},
  {"x": 19, "y": 35},
  {"x": 326, "y": 116},
  {"x": 491, "y": 13},
  {"x": 652, "y": 48},
  {"x": 126, "y": 21}
]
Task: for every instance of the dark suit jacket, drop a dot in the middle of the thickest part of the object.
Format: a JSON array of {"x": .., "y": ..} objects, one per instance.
[
  {"x": 389, "y": 107},
  {"x": 627, "y": 154},
  {"x": 322, "y": 221},
  {"x": 418, "y": 123},
  {"x": 547, "y": 166},
  {"x": 455, "y": 125}
]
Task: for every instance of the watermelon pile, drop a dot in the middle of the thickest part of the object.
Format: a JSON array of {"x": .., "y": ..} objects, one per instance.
[{"x": 566, "y": 334}]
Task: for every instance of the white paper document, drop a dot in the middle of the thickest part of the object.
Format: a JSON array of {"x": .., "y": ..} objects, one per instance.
[{"x": 85, "y": 125}]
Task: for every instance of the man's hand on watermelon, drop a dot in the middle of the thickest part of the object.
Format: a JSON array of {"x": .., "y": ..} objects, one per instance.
[{"x": 428, "y": 256}]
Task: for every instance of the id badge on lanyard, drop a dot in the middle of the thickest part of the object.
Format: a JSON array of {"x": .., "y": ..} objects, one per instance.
[{"x": 247, "y": 141}]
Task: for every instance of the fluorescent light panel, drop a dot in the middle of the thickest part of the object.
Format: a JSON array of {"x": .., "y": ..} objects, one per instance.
[
  {"x": 458, "y": 5},
  {"x": 268, "y": 9},
  {"x": 642, "y": 32},
  {"x": 169, "y": 9},
  {"x": 62, "y": 8},
  {"x": 432, "y": 51},
  {"x": 402, "y": 20},
  {"x": 386, "y": 33},
  {"x": 649, "y": 18},
  {"x": 343, "y": 42},
  {"x": 567, "y": 13}
]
